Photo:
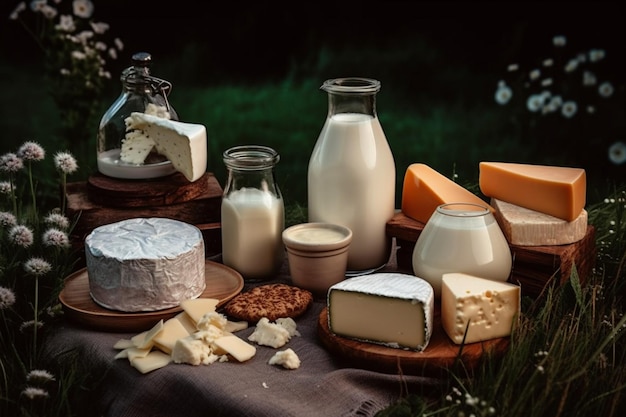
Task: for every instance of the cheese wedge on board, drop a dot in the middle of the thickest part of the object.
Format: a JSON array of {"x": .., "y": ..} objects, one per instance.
[
  {"x": 391, "y": 309},
  {"x": 557, "y": 191},
  {"x": 525, "y": 227},
  {"x": 485, "y": 308},
  {"x": 424, "y": 189},
  {"x": 184, "y": 144}
]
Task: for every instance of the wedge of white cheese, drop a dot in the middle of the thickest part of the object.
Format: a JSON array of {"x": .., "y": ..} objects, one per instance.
[
  {"x": 526, "y": 227},
  {"x": 184, "y": 144},
  {"x": 391, "y": 309},
  {"x": 482, "y": 308}
]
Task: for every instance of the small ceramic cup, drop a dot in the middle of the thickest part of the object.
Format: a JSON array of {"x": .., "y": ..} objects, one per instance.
[{"x": 317, "y": 254}]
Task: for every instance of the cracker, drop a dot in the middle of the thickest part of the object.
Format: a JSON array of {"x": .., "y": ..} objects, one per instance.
[{"x": 273, "y": 301}]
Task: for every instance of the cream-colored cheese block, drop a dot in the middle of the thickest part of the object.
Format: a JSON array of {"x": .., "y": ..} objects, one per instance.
[
  {"x": 236, "y": 347},
  {"x": 152, "y": 361},
  {"x": 187, "y": 322},
  {"x": 526, "y": 227},
  {"x": 390, "y": 309},
  {"x": 193, "y": 351},
  {"x": 486, "y": 308},
  {"x": 184, "y": 144},
  {"x": 146, "y": 339},
  {"x": 269, "y": 334},
  {"x": 424, "y": 189},
  {"x": 287, "y": 358},
  {"x": 235, "y": 326},
  {"x": 557, "y": 191},
  {"x": 136, "y": 147},
  {"x": 198, "y": 307},
  {"x": 172, "y": 330}
]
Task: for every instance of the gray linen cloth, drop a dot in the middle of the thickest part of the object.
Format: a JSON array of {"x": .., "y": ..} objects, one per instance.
[{"x": 324, "y": 384}]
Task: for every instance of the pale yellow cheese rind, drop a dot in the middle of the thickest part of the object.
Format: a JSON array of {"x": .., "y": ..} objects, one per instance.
[
  {"x": 475, "y": 309},
  {"x": 526, "y": 227}
]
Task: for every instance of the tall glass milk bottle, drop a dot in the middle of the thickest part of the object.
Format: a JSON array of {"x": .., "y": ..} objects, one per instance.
[
  {"x": 253, "y": 216},
  {"x": 352, "y": 174}
]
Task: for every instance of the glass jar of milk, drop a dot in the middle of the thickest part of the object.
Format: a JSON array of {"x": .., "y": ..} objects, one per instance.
[
  {"x": 352, "y": 174},
  {"x": 253, "y": 213}
]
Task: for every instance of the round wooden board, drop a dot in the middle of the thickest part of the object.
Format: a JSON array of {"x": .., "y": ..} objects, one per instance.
[
  {"x": 222, "y": 283},
  {"x": 439, "y": 355}
]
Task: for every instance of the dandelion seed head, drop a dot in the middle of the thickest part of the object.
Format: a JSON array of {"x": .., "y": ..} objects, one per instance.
[
  {"x": 40, "y": 376},
  {"x": 37, "y": 267},
  {"x": 65, "y": 162},
  {"x": 55, "y": 237},
  {"x": 7, "y": 298},
  {"x": 7, "y": 219},
  {"x": 10, "y": 162},
  {"x": 21, "y": 235},
  {"x": 34, "y": 393},
  {"x": 31, "y": 151}
]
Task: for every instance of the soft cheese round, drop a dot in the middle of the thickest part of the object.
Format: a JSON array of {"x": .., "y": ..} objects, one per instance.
[{"x": 145, "y": 264}]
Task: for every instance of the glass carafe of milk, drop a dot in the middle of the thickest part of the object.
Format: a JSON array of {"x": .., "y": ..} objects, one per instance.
[
  {"x": 253, "y": 216},
  {"x": 352, "y": 174}
]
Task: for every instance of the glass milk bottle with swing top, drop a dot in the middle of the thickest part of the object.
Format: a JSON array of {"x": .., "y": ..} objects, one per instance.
[
  {"x": 252, "y": 211},
  {"x": 352, "y": 174}
]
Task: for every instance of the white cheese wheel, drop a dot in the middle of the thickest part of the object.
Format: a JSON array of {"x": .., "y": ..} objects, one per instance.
[
  {"x": 145, "y": 264},
  {"x": 391, "y": 309}
]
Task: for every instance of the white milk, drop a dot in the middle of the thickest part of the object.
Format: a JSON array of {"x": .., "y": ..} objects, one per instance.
[
  {"x": 252, "y": 226},
  {"x": 476, "y": 247},
  {"x": 351, "y": 181}
]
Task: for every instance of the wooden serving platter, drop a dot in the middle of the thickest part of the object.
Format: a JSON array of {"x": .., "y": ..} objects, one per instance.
[
  {"x": 222, "y": 283},
  {"x": 440, "y": 354}
]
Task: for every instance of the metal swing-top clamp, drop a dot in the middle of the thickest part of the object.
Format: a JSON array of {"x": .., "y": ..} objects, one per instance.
[{"x": 139, "y": 73}]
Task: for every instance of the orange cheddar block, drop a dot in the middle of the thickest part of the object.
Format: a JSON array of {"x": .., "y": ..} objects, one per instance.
[
  {"x": 424, "y": 189},
  {"x": 557, "y": 191}
]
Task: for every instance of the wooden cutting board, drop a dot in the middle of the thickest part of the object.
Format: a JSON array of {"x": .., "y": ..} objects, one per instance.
[{"x": 440, "y": 354}]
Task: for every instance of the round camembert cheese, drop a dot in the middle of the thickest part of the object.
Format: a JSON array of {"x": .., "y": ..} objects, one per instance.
[
  {"x": 145, "y": 264},
  {"x": 391, "y": 309}
]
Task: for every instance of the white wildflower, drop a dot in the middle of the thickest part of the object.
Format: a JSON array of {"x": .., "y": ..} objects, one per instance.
[
  {"x": 596, "y": 55},
  {"x": 37, "y": 5},
  {"x": 82, "y": 8},
  {"x": 503, "y": 94},
  {"x": 589, "y": 78},
  {"x": 571, "y": 65},
  {"x": 548, "y": 62},
  {"x": 512, "y": 67},
  {"x": 546, "y": 82},
  {"x": 57, "y": 219},
  {"x": 37, "y": 267},
  {"x": 21, "y": 6},
  {"x": 605, "y": 89},
  {"x": 7, "y": 298},
  {"x": 559, "y": 40},
  {"x": 39, "y": 376},
  {"x": 66, "y": 24},
  {"x": 6, "y": 187},
  {"x": 55, "y": 237},
  {"x": 7, "y": 219},
  {"x": 21, "y": 236},
  {"x": 26, "y": 326},
  {"x": 34, "y": 393},
  {"x": 617, "y": 153},
  {"x": 535, "y": 74},
  {"x": 100, "y": 27},
  {"x": 31, "y": 151},
  {"x": 10, "y": 162},
  {"x": 569, "y": 109},
  {"x": 49, "y": 12},
  {"x": 65, "y": 162},
  {"x": 534, "y": 102}
]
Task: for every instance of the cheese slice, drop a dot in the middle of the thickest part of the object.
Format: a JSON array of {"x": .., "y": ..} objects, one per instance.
[
  {"x": 236, "y": 347},
  {"x": 424, "y": 189},
  {"x": 146, "y": 339},
  {"x": 187, "y": 322},
  {"x": 557, "y": 191},
  {"x": 486, "y": 308},
  {"x": 525, "y": 227},
  {"x": 391, "y": 309},
  {"x": 184, "y": 144},
  {"x": 196, "y": 308},
  {"x": 172, "y": 330},
  {"x": 152, "y": 361}
]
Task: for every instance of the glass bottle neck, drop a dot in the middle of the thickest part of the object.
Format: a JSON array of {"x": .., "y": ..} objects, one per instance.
[{"x": 351, "y": 95}]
